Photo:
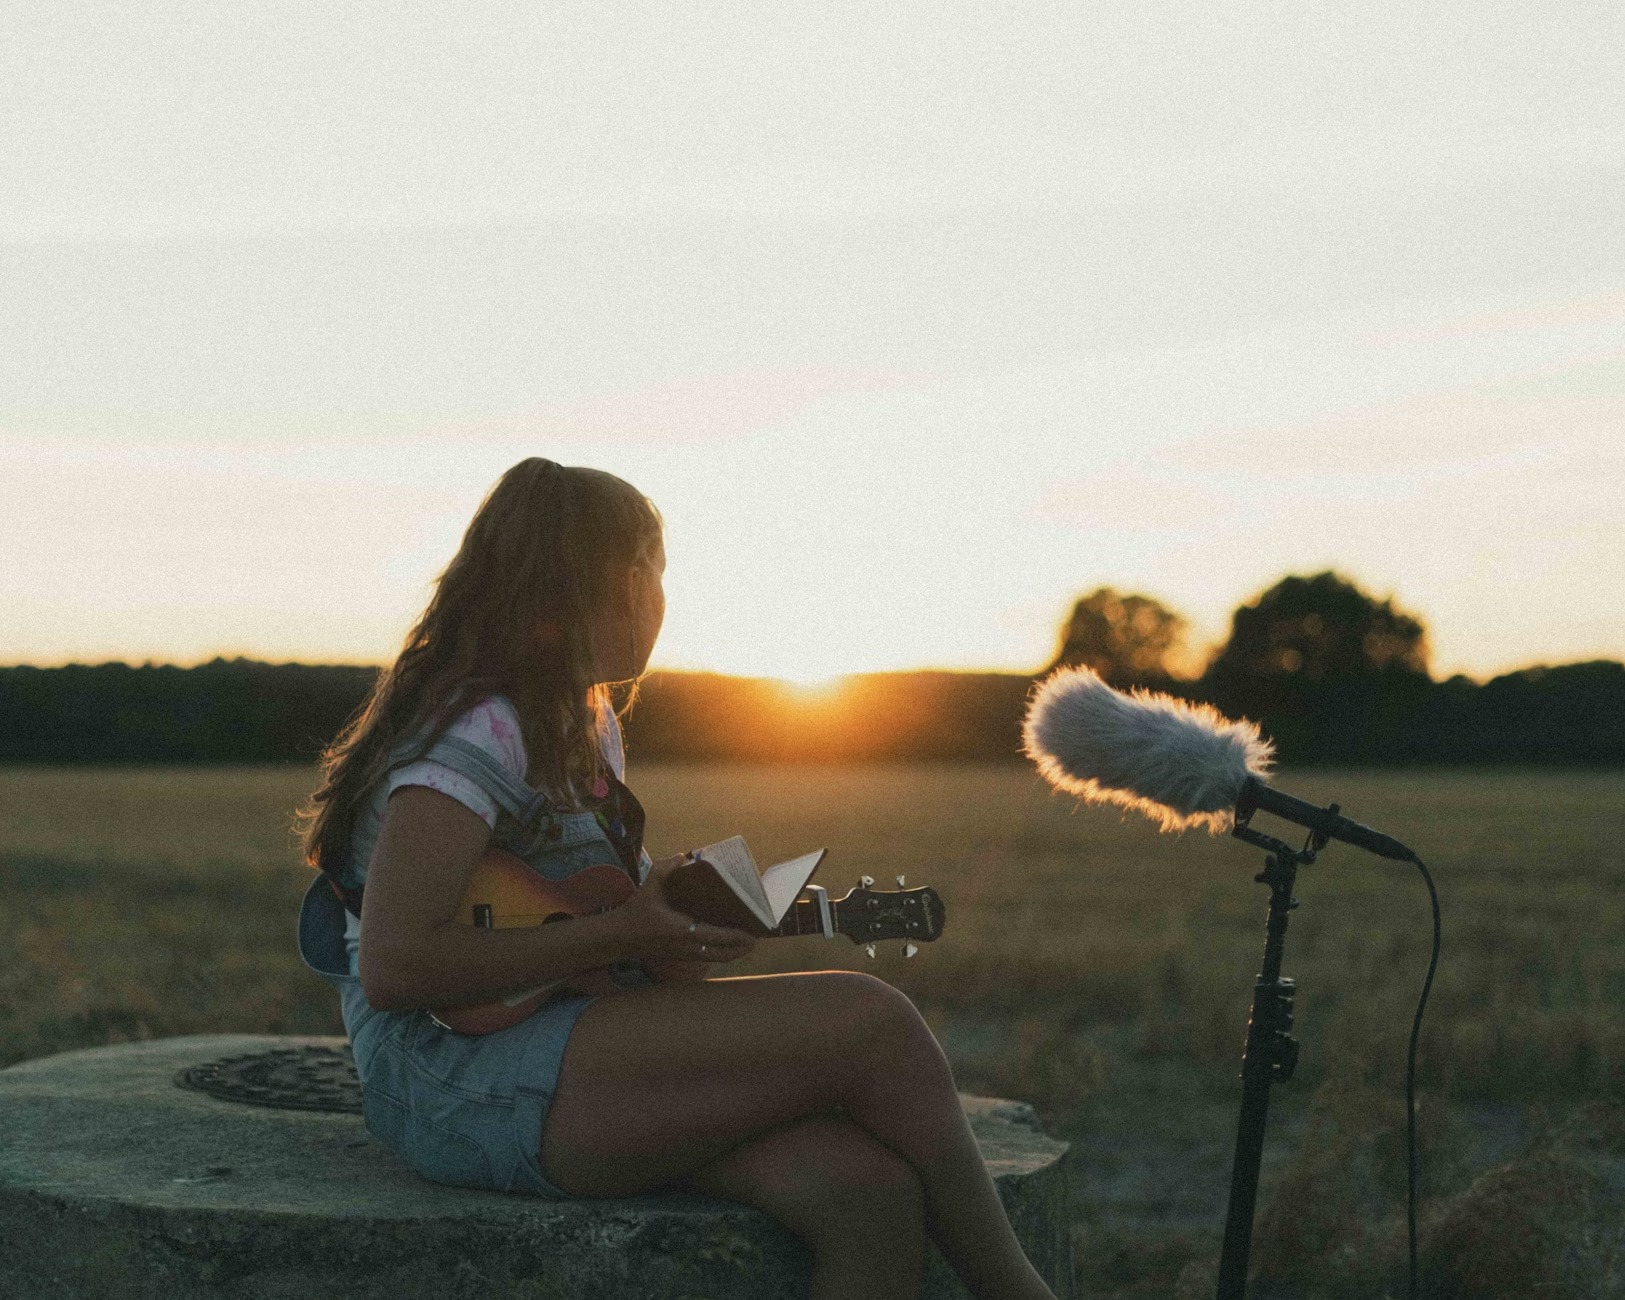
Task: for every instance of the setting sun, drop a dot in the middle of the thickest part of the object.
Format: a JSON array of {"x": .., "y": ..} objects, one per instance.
[{"x": 812, "y": 685}]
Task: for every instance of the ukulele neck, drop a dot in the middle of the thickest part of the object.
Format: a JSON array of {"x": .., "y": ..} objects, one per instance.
[{"x": 819, "y": 915}]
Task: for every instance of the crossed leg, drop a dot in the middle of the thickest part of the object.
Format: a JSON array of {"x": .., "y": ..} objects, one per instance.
[
  {"x": 855, "y": 1204},
  {"x": 697, "y": 1076}
]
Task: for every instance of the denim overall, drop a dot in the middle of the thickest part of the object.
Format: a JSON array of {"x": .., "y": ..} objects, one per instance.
[{"x": 460, "y": 1109}]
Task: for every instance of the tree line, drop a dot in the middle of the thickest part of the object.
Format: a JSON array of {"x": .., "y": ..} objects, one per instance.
[{"x": 1332, "y": 674}]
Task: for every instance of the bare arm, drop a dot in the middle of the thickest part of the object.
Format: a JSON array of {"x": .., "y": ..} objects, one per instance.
[{"x": 415, "y": 955}]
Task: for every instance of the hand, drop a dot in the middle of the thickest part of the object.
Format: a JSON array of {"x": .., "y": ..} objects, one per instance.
[{"x": 655, "y": 931}]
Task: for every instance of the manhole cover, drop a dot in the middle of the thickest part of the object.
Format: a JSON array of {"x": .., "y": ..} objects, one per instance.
[{"x": 284, "y": 1078}]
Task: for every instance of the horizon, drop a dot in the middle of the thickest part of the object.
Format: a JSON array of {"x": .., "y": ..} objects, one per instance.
[{"x": 809, "y": 684}]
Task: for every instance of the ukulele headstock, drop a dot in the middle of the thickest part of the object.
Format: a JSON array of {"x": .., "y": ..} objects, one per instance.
[{"x": 866, "y": 915}]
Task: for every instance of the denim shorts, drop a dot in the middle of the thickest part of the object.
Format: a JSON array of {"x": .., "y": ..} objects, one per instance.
[{"x": 461, "y": 1109}]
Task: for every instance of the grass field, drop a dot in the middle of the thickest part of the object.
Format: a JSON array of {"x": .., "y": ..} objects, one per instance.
[{"x": 1090, "y": 966}]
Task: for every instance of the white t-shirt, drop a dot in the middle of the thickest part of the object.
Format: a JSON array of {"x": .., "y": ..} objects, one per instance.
[{"x": 492, "y": 725}]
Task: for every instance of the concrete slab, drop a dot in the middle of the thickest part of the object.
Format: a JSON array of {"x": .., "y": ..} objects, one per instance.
[{"x": 115, "y": 1182}]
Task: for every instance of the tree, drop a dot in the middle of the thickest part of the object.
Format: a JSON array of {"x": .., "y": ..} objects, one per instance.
[
  {"x": 1126, "y": 638},
  {"x": 1321, "y": 629}
]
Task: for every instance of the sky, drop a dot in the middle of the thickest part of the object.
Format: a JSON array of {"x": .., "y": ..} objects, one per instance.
[{"x": 916, "y": 321}]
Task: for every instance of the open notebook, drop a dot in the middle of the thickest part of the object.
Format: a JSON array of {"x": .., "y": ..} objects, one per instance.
[{"x": 722, "y": 884}]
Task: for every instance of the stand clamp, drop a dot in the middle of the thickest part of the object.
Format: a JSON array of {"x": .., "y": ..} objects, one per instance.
[{"x": 1269, "y": 1031}]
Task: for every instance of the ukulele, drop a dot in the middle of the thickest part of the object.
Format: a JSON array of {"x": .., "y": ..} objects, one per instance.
[{"x": 504, "y": 893}]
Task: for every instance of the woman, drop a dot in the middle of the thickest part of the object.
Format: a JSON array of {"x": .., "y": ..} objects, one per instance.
[{"x": 494, "y": 726}]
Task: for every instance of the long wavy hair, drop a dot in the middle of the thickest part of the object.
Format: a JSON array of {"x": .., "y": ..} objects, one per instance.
[{"x": 548, "y": 547}]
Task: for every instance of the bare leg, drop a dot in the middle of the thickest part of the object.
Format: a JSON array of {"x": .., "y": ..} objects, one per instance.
[
  {"x": 660, "y": 1082},
  {"x": 856, "y": 1204}
]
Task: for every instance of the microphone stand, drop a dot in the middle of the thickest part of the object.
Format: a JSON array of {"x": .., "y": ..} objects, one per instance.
[{"x": 1271, "y": 1053}]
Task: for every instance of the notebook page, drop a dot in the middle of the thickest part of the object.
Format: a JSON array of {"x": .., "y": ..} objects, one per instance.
[
  {"x": 781, "y": 883},
  {"x": 733, "y": 860}
]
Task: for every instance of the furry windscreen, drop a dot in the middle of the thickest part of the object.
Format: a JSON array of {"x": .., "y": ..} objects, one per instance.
[{"x": 1180, "y": 764}]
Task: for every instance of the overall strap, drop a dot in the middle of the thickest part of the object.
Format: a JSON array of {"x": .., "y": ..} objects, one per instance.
[
  {"x": 526, "y": 807},
  {"x": 510, "y": 794}
]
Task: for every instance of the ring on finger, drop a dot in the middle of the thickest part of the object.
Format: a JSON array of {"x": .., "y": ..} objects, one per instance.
[{"x": 693, "y": 926}]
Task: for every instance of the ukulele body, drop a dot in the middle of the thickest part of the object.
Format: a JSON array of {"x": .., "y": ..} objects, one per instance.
[{"x": 504, "y": 894}]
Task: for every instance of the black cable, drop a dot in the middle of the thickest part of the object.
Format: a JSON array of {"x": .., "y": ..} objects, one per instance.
[{"x": 1410, "y": 1069}]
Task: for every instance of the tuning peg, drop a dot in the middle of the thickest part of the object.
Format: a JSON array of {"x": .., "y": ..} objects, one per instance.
[
  {"x": 866, "y": 881},
  {"x": 910, "y": 948},
  {"x": 870, "y": 949},
  {"x": 899, "y": 881}
]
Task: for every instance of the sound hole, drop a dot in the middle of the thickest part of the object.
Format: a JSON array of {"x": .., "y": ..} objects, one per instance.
[{"x": 556, "y": 916}]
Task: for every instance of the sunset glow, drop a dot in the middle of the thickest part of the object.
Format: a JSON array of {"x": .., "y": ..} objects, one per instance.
[{"x": 813, "y": 689}]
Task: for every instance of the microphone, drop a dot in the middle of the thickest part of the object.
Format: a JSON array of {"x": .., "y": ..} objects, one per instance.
[{"x": 1180, "y": 764}]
